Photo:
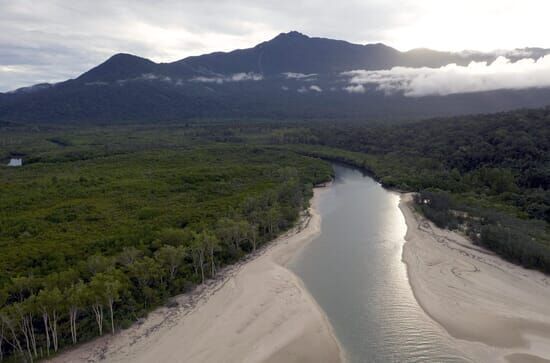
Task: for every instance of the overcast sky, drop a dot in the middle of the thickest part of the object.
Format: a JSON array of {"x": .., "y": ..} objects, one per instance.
[{"x": 52, "y": 40}]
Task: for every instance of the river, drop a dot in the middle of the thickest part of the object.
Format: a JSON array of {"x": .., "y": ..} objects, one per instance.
[{"x": 354, "y": 271}]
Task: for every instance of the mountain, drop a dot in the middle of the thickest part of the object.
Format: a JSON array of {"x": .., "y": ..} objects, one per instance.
[
  {"x": 119, "y": 66},
  {"x": 290, "y": 76},
  {"x": 295, "y": 52}
]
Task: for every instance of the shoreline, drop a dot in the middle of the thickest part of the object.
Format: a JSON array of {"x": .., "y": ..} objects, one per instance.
[
  {"x": 257, "y": 310},
  {"x": 495, "y": 311}
]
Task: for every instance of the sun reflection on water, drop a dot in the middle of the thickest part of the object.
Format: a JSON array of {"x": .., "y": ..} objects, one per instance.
[{"x": 355, "y": 272}]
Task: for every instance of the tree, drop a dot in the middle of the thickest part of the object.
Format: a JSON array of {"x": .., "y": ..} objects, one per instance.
[
  {"x": 24, "y": 286},
  {"x": 272, "y": 219},
  {"x": 211, "y": 245},
  {"x": 8, "y": 317},
  {"x": 3, "y": 301},
  {"x": 112, "y": 293},
  {"x": 174, "y": 236},
  {"x": 242, "y": 233},
  {"x": 232, "y": 231},
  {"x": 171, "y": 258},
  {"x": 95, "y": 299},
  {"x": 43, "y": 304},
  {"x": 128, "y": 256},
  {"x": 99, "y": 263},
  {"x": 145, "y": 272},
  {"x": 75, "y": 298},
  {"x": 50, "y": 301},
  {"x": 198, "y": 250},
  {"x": 61, "y": 280},
  {"x": 253, "y": 236},
  {"x": 106, "y": 289},
  {"x": 24, "y": 312}
]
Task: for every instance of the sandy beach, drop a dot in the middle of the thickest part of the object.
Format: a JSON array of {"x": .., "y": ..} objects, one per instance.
[
  {"x": 497, "y": 311},
  {"x": 256, "y": 311}
]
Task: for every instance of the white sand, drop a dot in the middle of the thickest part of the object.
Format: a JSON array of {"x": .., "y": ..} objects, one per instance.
[
  {"x": 257, "y": 312},
  {"x": 497, "y": 311}
]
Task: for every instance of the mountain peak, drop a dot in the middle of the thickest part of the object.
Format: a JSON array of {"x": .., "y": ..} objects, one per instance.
[
  {"x": 121, "y": 56},
  {"x": 126, "y": 59},
  {"x": 119, "y": 66},
  {"x": 293, "y": 34}
]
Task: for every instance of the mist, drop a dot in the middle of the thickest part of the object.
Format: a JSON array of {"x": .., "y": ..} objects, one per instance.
[{"x": 452, "y": 78}]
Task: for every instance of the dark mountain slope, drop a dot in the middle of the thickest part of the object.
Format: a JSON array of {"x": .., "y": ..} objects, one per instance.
[
  {"x": 295, "y": 52},
  {"x": 255, "y": 82},
  {"x": 119, "y": 66}
]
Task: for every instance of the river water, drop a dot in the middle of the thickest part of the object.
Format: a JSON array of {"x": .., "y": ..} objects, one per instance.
[{"x": 354, "y": 271}]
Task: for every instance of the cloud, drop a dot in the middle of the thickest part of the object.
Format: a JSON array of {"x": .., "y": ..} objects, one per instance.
[
  {"x": 312, "y": 88},
  {"x": 218, "y": 80},
  {"x": 236, "y": 77},
  {"x": 239, "y": 77},
  {"x": 143, "y": 77},
  {"x": 452, "y": 78},
  {"x": 59, "y": 39},
  {"x": 355, "y": 88},
  {"x": 293, "y": 75},
  {"x": 154, "y": 77}
]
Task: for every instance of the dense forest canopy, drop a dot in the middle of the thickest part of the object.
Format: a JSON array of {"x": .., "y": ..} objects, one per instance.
[
  {"x": 506, "y": 155},
  {"x": 492, "y": 172},
  {"x": 102, "y": 223},
  {"x": 100, "y": 227}
]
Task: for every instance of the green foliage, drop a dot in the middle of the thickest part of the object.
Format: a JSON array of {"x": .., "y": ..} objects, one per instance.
[
  {"x": 488, "y": 175},
  {"x": 96, "y": 232},
  {"x": 117, "y": 219}
]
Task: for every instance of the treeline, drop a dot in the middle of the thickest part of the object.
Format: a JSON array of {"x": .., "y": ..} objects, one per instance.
[
  {"x": 516, "y": 240},
  {"x": 41, "y": 314},
  {"x": 505, "y": 154}
]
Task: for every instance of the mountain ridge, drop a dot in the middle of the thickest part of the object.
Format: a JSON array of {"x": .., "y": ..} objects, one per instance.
[{"x": 290, "y": 76}]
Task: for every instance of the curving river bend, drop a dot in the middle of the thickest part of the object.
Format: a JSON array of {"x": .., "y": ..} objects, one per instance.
[{"x": 354, "y": 271}]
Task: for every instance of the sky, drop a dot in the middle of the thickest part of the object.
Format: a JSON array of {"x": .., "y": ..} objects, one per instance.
[{"x": 53, "y": 40}]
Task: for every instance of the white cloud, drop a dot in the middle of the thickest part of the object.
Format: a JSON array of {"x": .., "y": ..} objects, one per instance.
[
  {"x": 60, "y": 39},
  {"x": 355, "y": 88},
  {"x": 452, "y": 78},
  {"x": 143, "y": 77},
  {"x": 312, "y": 88},
  {"x": 293, "y": 75},
  {"x": 236, "y": 77},
  {"x": 153, "y": 77},
  {"x": 218, "y": 80}
]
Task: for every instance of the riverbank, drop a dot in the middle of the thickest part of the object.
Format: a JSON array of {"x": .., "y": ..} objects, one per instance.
[
  {"x": 496, "y": 310},
  {"x": 256, "y": 311}
]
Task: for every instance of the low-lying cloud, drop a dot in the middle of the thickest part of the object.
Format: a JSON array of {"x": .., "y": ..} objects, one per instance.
[
  {"x": 236, "y": 77},
  {"x": 312, "y": 88},
  {"x": 355, "y": 88},
  {"x": 452, "y": 78},
  {"x": 302, "y": 76}
]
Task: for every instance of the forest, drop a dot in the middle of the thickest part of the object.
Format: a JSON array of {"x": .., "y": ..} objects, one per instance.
[
  {"x": 103, "y": 222},
  {"x": 93, "y": 240},
  {"x": 487, "y": 175}
]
